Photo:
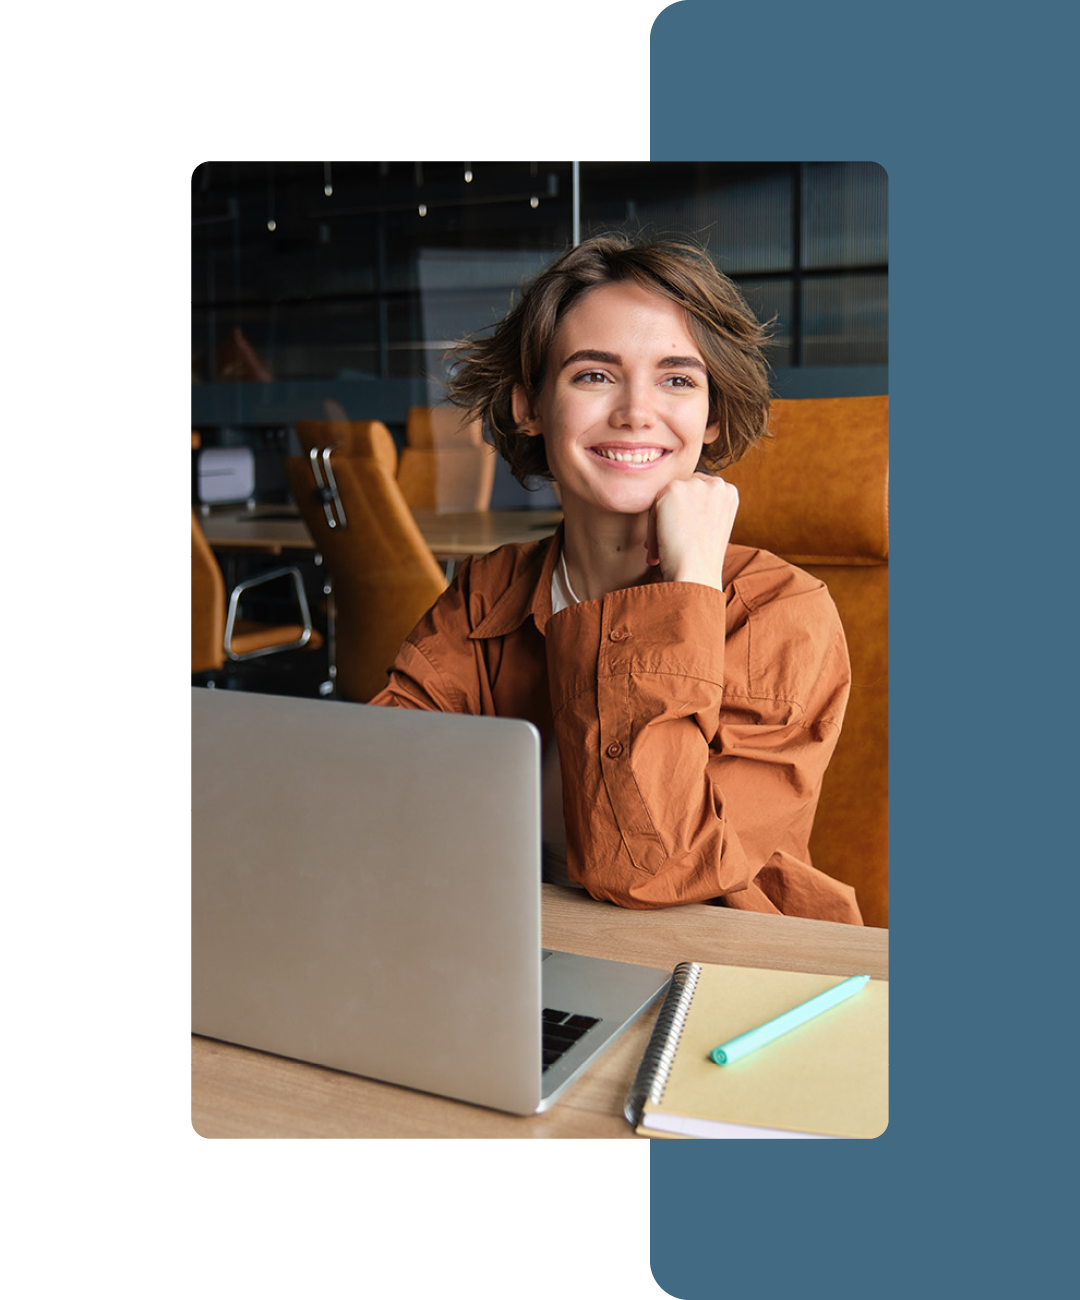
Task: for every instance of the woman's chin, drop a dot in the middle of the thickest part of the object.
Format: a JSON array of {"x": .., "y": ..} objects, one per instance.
[{"x": 624, "y": 498}]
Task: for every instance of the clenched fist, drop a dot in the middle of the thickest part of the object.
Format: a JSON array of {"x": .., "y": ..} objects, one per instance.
[{"x": 690, "y": 526}]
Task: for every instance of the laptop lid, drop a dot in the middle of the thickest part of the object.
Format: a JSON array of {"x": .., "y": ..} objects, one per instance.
[{"x": 366, "y": 896}]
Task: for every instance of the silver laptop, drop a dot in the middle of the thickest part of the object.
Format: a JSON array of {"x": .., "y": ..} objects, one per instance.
[{"x": 366, "y": 896}]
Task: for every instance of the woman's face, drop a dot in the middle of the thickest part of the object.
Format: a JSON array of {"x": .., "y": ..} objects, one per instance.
[{"x": 624, "y": 409}]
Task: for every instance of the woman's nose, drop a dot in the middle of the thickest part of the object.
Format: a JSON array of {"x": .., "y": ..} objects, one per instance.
[{"x": 634, "y": 407}]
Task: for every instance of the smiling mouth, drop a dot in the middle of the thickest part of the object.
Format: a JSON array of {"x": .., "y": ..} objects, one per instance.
[{"x": 648, "y": 456}]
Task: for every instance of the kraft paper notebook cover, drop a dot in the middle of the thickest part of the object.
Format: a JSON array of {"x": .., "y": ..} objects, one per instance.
[{"x": 827, "y": 1078}]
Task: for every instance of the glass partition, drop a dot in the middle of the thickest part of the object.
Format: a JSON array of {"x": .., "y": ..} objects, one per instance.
[{"x": 328, "y": 289}]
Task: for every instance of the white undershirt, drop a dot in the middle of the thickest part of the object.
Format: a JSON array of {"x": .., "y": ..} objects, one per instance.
[{"x": 551, "y": 801}]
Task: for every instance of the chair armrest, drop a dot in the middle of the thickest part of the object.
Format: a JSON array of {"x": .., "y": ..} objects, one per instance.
[{"x": 238, "y": 591}]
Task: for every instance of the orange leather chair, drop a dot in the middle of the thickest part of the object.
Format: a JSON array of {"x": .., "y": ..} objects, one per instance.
[
  {"x": 218, "y": 634},
  {"x": 445, "y": 464},
  {"x": 385, "y": 576},
  {"x": 816, "y": 493},
  {"x": 349, "y": 438}
]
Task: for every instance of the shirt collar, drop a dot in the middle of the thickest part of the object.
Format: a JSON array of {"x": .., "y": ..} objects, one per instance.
[{"x": 529, "y": 593}]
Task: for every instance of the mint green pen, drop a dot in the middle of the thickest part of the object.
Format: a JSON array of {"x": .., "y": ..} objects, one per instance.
[{"x": 782, "y": 1024}]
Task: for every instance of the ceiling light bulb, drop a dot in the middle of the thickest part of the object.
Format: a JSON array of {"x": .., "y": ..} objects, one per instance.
[
  {"x": 328, "y": 190},
  {"x": 271, "y": 224},
  {"x": 534, "y": 202},
  {"x": 423, "y": 209},
  {"x": 468, "y": 175}
]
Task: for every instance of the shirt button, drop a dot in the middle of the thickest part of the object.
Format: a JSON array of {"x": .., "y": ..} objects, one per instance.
[
  {"x": 614, "y": 749},
  {"x": 618, "y": 634}
]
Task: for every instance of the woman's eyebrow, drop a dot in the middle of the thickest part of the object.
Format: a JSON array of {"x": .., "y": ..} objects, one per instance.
[
  {"x": 613, "y": 359},
  {"x": 591, "y": 354},
  {"x": 682, "y": 363}
]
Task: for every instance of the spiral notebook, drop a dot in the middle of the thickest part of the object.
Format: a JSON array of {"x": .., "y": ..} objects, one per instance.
[{"x": 828, "y": 1078}]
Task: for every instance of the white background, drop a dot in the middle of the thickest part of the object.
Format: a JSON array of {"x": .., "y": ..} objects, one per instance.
[{"x": 108, "y": 110}]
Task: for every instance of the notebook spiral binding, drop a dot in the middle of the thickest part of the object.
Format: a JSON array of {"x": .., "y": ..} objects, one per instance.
[{"x": 652, "y": 1075}]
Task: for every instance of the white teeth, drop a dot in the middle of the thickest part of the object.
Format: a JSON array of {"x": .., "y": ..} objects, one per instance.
[{"x": 634, "y": 457}]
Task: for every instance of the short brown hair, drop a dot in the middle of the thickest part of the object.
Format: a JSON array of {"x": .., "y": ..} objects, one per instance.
[{"x": 484, "y": 371}]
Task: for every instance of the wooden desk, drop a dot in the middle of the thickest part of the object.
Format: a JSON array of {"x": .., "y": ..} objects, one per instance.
[
  {"x": 273, "y": 529},
  {"x": 240, "y": 1093},
  {"x": 268, "y": 530},
  {"x": 454, "y": 536}
]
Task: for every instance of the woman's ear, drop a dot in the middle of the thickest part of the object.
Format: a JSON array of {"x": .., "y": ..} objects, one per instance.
[
  {"x": 526, "y": 421},
  {"x": 712, "y": 432}
]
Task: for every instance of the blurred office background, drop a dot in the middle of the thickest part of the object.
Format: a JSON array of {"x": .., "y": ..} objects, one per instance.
[
  {"x": 332, "y": 290},
  {"x": 323, "y": 289}
]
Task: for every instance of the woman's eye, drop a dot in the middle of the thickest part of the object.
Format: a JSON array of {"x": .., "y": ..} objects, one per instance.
[
  {"x": 591, "y": 377},
  {"x": 680, "y": 381}
]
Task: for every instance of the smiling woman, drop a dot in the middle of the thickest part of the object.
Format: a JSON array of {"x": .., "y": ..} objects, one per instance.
[
  {"x": 727, "y": 338},
  {"x": 624, "y": 414},
  {"x": 689, "y": 692}
]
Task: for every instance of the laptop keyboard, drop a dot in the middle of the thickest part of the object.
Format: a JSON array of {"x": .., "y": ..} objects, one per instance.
[{"x": 561, "y": 1030}]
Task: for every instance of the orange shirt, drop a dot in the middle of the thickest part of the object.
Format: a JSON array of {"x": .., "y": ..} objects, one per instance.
[{"x": 691, "y": 761}]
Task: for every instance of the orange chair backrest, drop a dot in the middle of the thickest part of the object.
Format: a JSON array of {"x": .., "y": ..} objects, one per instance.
[
  {"x": 445, "y": 464},
  {"x": 816, "y": 493},
  {"x": 441, "y": 426},
  {"x": 207, "y": 604},
  {"x": 349, "y": 438},
  {"x": 385, "y": 576}
]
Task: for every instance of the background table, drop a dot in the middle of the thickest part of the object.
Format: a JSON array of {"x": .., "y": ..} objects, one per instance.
[
  {"x": 273, "y": 529},
  {"x": 241, "y": 1093}
]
